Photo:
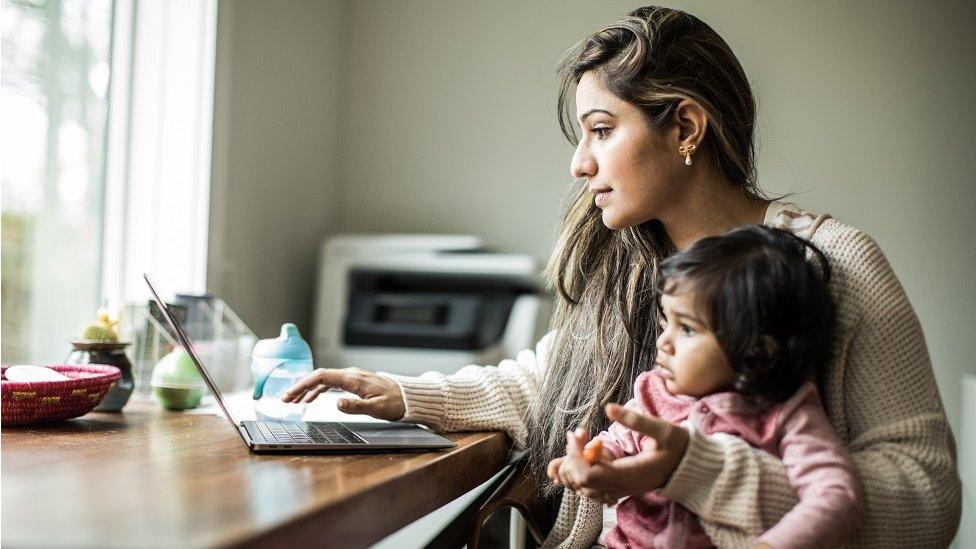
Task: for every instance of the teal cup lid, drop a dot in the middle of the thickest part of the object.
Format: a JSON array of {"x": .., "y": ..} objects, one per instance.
[{"x": 288, "y": 346}]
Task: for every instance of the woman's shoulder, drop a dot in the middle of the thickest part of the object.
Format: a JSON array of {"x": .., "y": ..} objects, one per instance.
[
  {"x": 852, "y": 253},
  {"x": 841, "y": 242},
  {"x": 860, "y": 272},
  {"x": 789, "y": 217}
]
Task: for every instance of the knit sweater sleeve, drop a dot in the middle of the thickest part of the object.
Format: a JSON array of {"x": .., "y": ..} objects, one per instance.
[
  {"x": 881, "y": 396},
  {"x": 490, "y": 398}
]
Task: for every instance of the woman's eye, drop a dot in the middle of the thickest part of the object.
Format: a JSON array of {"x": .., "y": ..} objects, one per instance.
[{"x": 601, "y": 132}]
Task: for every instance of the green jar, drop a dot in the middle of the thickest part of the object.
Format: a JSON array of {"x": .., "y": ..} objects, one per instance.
[{"x": 176, "y": 382}]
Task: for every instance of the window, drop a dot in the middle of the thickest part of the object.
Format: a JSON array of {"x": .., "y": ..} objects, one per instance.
[
  {"x": 106, "y": 160},
  {"x": 54, "y": 73}
]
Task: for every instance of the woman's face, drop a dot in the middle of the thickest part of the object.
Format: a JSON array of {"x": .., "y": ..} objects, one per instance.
[{"x": 619, "y": 153}]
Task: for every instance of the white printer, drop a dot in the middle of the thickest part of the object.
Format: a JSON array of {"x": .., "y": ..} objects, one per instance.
[{"x": 408, "y": 304}]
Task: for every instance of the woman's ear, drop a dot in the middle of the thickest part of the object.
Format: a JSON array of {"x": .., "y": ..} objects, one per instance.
[{"x": 691, "y": 121}]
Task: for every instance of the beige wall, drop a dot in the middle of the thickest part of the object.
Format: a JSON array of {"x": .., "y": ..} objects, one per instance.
[
  {"x": 445, "y": 123},
  {"x": 276, "y": 110}
]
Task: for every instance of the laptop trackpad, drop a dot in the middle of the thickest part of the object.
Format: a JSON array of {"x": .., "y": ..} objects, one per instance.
[{"x": 392, "y": 433}]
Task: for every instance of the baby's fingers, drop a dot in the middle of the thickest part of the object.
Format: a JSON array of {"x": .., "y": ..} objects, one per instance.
[{"x": 575, "y": 440}]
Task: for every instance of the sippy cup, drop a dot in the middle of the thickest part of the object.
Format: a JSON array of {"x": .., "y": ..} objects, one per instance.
[
  {"x": 176, "y": 382},
  {"x": 277, "y": 364}
]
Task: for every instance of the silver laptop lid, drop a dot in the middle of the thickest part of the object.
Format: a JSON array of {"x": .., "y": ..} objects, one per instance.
[{"x": 185, "y": 342}]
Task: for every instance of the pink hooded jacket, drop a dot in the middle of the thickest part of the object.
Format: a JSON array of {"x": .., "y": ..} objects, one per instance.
[{"x": 831, "y": 502}]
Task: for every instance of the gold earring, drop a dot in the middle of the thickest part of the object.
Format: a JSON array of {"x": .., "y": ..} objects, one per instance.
[{"x": 685, "y": 151}]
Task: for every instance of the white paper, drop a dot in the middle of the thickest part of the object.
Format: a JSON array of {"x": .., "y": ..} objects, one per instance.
[
  {"x": 29, "y": 373},
  {"x": 240, "y": 405}
]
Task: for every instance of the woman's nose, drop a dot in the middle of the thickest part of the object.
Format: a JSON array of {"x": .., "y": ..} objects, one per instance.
[{"x": 583, "y": 165}]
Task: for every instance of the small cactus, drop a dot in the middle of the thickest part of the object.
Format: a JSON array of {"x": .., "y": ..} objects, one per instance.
[
  {"x": 104, "y": 329},
  {"x": 96, "y": 331}
]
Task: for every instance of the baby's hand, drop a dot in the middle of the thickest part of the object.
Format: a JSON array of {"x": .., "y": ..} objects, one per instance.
[{"x": 564, "y": 470}]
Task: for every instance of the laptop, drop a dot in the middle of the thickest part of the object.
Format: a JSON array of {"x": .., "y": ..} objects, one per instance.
[{"x": 308, "y": 436}]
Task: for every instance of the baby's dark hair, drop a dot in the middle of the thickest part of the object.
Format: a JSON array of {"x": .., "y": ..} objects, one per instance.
[{"x": 767, "y": 305}]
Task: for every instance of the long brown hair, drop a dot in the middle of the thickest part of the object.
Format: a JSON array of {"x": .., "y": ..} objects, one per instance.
[{"x": 605, "y": 318}]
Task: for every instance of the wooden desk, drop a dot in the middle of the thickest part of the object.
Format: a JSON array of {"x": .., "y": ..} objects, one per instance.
[{"x": 150, "y": 477}]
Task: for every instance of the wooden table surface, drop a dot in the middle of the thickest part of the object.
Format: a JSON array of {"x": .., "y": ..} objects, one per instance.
[{"x": 151, "y": 477}]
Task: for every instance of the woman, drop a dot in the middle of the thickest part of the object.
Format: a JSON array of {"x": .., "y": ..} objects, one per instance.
[{"x": 667, "y": 155}]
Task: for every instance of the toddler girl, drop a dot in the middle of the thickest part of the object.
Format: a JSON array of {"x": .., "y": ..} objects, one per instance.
[{"x": 747, "y": 322}]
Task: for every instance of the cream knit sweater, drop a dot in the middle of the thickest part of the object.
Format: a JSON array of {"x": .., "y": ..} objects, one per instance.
[{"x": 878, "y": 390}]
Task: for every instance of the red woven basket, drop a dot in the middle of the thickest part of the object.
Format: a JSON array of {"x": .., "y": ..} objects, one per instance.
[{"x": 23, "y": 402}]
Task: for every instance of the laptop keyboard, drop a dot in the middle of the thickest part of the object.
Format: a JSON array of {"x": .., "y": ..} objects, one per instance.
[{"x": 291, "y": 432}]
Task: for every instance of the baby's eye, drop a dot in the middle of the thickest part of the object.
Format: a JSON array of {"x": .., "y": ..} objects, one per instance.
[
  {"x": 601, "y": 132},
  {"x": 687, "y": 330}
]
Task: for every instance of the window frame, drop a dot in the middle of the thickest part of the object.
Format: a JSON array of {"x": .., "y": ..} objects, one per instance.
[{"x": 160, "y": 124}]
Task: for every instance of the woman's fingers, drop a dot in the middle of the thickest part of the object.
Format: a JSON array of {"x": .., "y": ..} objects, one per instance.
[
  {"x": 379, "y": 396},
  {"x": 341, "y": 379},
  {"x": 593, "y": 494},
  {"x": 313, "y": 393},
  {"x": 610, "y": 479},
  {"x": 369, "y": 406},
  {"x": 602, "y": 485},
  {"x": 671, "y": 440},
  {"x": 653, "y": 427},
  {"x": 378, "y": 407}
]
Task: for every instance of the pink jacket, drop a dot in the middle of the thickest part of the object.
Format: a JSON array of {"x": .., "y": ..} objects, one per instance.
[{"x": 831, "y": 502}]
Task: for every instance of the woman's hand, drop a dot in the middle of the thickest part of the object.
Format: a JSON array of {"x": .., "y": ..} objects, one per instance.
[
  {"x": 631, "y": 475},
  {"x": 378, "y": 396}
]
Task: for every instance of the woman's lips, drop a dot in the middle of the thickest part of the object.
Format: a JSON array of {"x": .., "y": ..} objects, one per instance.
[{"x": 602, "y": 198}]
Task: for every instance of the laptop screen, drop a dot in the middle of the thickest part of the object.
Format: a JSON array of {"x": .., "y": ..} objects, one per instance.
[{"x": 188, "y": 346}]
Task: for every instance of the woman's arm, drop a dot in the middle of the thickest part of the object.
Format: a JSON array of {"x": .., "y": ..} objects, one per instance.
[
  {"x": 890, "y": 412},
  {"x": 477, "y": 397}
]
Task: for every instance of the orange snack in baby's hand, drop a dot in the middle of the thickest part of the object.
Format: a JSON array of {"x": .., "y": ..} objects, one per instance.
[{"x": 592, "y": 450}]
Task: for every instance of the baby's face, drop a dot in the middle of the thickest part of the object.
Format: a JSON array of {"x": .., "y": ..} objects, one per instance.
[{"x": 688, "y": 353}]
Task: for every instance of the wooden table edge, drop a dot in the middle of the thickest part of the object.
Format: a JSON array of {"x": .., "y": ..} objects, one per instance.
[{"x": 364, "y": 528}]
